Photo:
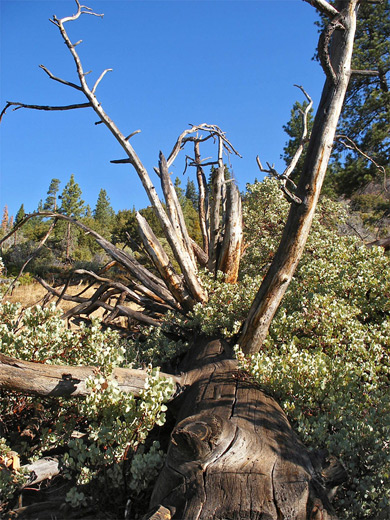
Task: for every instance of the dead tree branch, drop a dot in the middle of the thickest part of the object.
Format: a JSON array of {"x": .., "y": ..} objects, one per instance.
[
  {"x": 63, "y": 81},
  {"x": 18, "y": 105},
  {"x": 304, "y": 138},
  {"x": 324, "y": 7},
  {"x": 351, "y": 145}
]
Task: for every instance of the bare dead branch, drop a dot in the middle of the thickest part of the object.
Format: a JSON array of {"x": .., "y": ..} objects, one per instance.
[
  {"x": 18, "y": 106},
  {"x": 212, "y": 130},
  {"x": 80, "y": 11},
  {"x": 99, "y": 79},
  {"x": 290, "y": 168},
  {"x": 121, "y": 161},
  {"x": 324, "y": 43},
  {"x": 284, "y": 178},
  {"x": 88, "y": 305},
  {"x": 176, "y": 217},
  {"x": 162, "y": 262},
  {"x": 132, "y": 134},
  {"x": 355, "y": 72},
  {"x": 324, "y": 7},
  {"x": 138, "y": 271},
  {"x": 351, "y": 145},
  {"x": 63, "y": 81},
  {"x": 271, "y": 170},
  {"x": 215, "y": 209},
  {"x": 203, "y": 203}
]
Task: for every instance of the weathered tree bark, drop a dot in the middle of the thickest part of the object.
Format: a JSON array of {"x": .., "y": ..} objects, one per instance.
[
  {"x": 296, "y": 231},
  {"x": 382, "y": 242},
  {"x": 234, "y": 454},
  {"x": 230, "y": 253},
  {"x": 64, "y": 380}
]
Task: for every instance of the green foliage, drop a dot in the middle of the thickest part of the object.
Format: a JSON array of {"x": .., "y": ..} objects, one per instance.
[
  {"x": 71, "y": 203},
  {"x": 191, "y": 193},
  {"x": 98, "y": 431},
  {"x": 124, "y": 225},
  {"x": 326, "y": 356},
  {"x": 103, "y": 212},
  {"x": 51, "y": 200},
  {"x": 10, "y": 477},
  {"x": 20, "y": 214},
  {"x": 16, "y": 256}
]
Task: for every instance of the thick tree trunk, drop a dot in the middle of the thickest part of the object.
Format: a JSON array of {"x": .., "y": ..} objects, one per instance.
[
  {"x": 233, "y": 453},
  {"x": 336, "y": 61}
]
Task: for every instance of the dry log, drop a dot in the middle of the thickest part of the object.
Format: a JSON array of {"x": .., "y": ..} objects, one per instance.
[
  {"x": 234, "y": 454},
  {"x": 41, "y": 469},
  {"x": 64, "y": 380},
  {"x": 382, "y": 242}
]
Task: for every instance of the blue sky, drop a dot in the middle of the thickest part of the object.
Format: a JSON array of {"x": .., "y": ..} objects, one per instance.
[{"x": 230, "y": 63}]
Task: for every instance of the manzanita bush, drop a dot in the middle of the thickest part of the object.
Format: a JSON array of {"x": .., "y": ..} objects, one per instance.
[
  {"x": 326, "y": 361},
  {"x": 96, "y": 432}
]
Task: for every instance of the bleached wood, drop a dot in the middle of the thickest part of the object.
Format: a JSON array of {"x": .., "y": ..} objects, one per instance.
[
  {"x": 175, "y": 214},
  {"x": 324, "y": 7},
  {"x": 230, "y": 254},
  {"x": 162, "y": 263},
  {"x": 301, "y": 215},
  {"x": 203, "y": 204},
  {"x": 215, "y": 209},
  {"x": 64, "y": 380}
]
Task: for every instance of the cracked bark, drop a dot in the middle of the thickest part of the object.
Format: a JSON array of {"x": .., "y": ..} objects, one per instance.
[{"x": 233, "y": 452}]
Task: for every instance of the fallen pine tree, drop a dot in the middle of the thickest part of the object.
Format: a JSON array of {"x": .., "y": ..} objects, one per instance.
[{"x": 232, "y": 451}]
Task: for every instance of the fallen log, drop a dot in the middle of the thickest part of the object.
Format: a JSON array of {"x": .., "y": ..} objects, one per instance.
[
  {"x": 233, "y": 454},
  {"x": 64, "y": 380}
]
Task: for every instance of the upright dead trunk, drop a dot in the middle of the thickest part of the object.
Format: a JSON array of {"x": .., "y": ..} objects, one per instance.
[{"x": 337, "y": 63}]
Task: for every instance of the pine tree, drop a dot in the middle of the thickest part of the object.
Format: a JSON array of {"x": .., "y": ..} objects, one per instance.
[
  {"x": 20, "y": 214},
  {"x": 179, "y": 190},
  {"x": 51, "y": 200},
  {"x": 191, "y": 193},
  {"x": 88, "y": 211},
  {"x": 103, "y": 212},
  {"x": 72, "y": 206}
]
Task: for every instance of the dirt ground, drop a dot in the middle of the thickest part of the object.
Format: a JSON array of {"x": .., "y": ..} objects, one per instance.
[{"x": 33, "y": 293}]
